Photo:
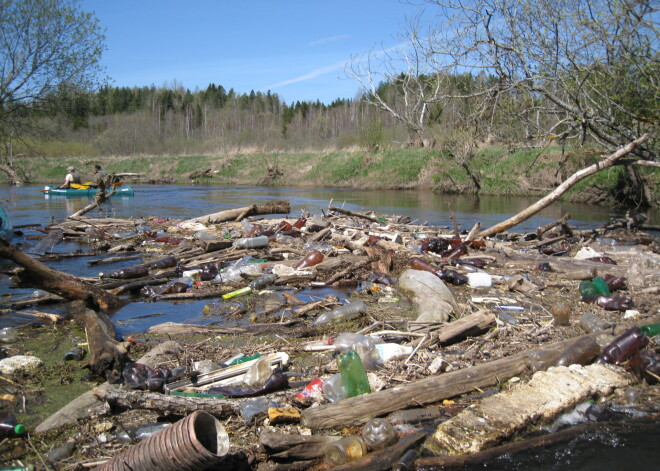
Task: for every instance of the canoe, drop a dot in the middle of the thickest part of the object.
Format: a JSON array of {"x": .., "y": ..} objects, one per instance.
[
  {"x": 124, "y": 190},
  {"x": 5, "y": 225}
]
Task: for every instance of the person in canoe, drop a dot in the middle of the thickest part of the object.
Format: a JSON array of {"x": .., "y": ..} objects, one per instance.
[
  {"x": 71, "y": 177},
  {"x": 99, "y": 175}
]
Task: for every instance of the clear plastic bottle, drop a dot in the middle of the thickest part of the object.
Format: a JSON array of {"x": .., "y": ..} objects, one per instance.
[
  {"x": 250, "y": 408},
  {"x": 592, "y": 323},
  {"x": 415, "y": 416},
  {"x": 541, "y": 359},
  {"x": 379, "y": 433},
  {"x": 344, "y": 312},
  {"x": 312, "y": 258},
  {"x": 9, "y": 426},
  {"x": 258, "y": 373},
  {"x": 8, "y": 335},
  {"x": 263, "y": 281},
  {"x": 141, "y": 432},
  {"x": 364, "y": 345},
  {"x": 353, "y": 374},
  {"x": 333, "y": 388},
  {"x": 251, "y": 242},
  {"x": 345, "y": 449}
]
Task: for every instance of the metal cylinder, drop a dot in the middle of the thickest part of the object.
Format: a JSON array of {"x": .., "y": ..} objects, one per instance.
[{"x": 191, "y": 444}]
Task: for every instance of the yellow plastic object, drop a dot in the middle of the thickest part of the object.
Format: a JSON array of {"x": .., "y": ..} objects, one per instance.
[{"x": 238, "y": 292}]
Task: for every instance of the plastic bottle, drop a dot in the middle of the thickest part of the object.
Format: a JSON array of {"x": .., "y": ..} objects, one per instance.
[
  {"x": 167, "y": 262},
  {"x": 580, "y": 352},
  {"x": 353, "y": 374},
  {"x": 415, "y": 416},
  {"x": 379, "y": 433},
  {"x": 136, "y": 271},
  {"x": 479, "y": 279},
  {"x": 345, "y": 449},
  {"x": 333, "y": 388},
  {"x": 263, "y": 281},
  {"x": 251, "y": 408},
  {"x": 393, "y": 351},
  {"x": 364, "y": 345},
  {"x": 8, "y": 335},
  {"x": 251, "y": 242},
  {"x": 650, "y": 330},
  {"x": 238, "y": 359},
  {"x": 312, "y": 258},
  {"x": 588, "y": 288},
  {"x": 344, "y": 312},
  {"x": 77, "y": 354},
  {"x": 601, "y": 284},
  {"x": 624, "y": 346},
  {"x": 541, "y": 359},
  {"x": 591, "y": 323},
  {"x": 9, "y": 426},
  {"x": 258, "y": 373}
]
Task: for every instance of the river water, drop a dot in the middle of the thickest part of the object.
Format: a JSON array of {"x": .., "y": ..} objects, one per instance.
[{"x": 26, "y": 205}]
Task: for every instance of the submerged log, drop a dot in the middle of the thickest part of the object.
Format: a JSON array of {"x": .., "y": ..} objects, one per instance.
[
  {"x": 276, "y": 207},
  {"x": 38, "y": 275}
]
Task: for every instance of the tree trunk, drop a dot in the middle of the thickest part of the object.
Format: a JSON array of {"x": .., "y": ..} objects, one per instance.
[
  {"x": 563, "y": 188},
  {"x": 11, "y": 174},
  {"x": 277, "y": 207},
  {"x": 38, "y": 275}
]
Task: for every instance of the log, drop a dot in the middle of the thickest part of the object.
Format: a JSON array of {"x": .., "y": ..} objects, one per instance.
[
  {"x": 37, "y": 275},
  {"x": 131, "y": 399},
  {"x": 563, "y": 188},
  {"x": 546, "y": 395},
  {"x": 353, "y": 214},
  {"x": 358, "y": 410},
  {"x": 276, "y": 207},
  {"x": 107, "y": 356},
  {"x": 473, "y": 324}
]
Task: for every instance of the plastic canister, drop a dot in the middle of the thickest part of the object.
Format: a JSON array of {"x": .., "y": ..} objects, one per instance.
[{"x": 479, "y": 279}]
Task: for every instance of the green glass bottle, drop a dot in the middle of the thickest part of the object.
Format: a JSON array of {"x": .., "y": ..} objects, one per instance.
[
  {"x": 650, "y": 330},
  {"x": 588, "y": 288},
  {"x": 601, "y": 284},
  {"x": 353, "y": 374}
]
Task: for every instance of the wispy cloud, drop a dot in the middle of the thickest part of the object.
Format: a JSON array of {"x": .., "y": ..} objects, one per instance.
[
  {"x": 329, "y": 39},
  {"x": 311, "y": 75}
]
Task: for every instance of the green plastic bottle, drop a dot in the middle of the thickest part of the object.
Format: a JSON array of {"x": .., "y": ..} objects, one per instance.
[
  {"x": 601, "y": 284},
  {"x": 353, "y": 374},
  {"x": 650, "y": 330},
  {"x": 588, "y": 288}
]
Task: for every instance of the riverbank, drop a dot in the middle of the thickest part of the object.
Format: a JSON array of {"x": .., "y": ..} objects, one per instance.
[{"x": 492, "y": 171}]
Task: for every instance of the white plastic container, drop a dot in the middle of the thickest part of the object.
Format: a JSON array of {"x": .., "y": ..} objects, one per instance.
[
  {"x": 479, "y": 280},
  {"x": 393, "y": 351}
]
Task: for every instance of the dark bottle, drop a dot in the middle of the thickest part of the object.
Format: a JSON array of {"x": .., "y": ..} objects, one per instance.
[
  {"x": 167, "y": 262},
  {"x": 614, "y": 303},
  {"x": 312, "y": 258},
  {"x": 77, "y": 354},
  {"x": 300, "y": 223},
  {"x": 453, "y": 277},
  {"x": 406, "y": 462},
  {"x": 475, "y": 262},
  {"x": 209, "y": 271},
  {"x": 285, "y": 225},
  {"x": 9, "y": 426},
  {"x": 436, "y": 245},
  {"x": 417, "y": 263},
  {"x": 580, "y": 352},
  {"x": 615, "y": 282},
  {"x": 624, "y": 346},
  {"x": 263, "y": 281},
  {"x": 650, "y": 365},
  {"x": 545, "y": 266},
  {"x": 456, "y": 250},
  {"x": 128, "y": 273}
]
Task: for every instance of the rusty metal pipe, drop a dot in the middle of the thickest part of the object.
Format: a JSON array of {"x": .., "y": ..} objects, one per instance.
[{"x": 191, "y": 444}]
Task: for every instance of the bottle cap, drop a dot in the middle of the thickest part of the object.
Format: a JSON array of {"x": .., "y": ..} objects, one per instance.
[{"x": 19, "y": 429}]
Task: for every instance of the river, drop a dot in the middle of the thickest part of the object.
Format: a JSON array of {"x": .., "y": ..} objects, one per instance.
[{"x": 26, "y": 205}]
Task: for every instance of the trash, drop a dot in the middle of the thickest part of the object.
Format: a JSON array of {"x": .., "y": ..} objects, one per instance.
[
  {"x": 200, "y": 441},
  {"x": 136, "y": 271},
  {"x": 283, "y": 415},
  {"x": 313, "y": 390},
  {"x": 275, "y": 382},
  {"x": 312, "y": 258},
  {"x": 8, "y": 335},
  {"x": 345, "y": 450},
  {"x": 9, "y": 426},
  {"x": 580, "y": 352},
  {"x": 250, "y": 409},
  {"x": 591, "y": 323},
  {"x": 379, "y": 433},
  {"x": 432, "y": 298},
  {"x": 353, "y": 374},
  {"x": 479, "y": 279},
  {"x": 251, "y": 242},
  {"x": 333, "y": 388},
  {"x": 624, "y": 346},
  {"x": 77, "y": 354},
  {"x": 345, "y": 312},
  {"x": 19, "y": 364}
]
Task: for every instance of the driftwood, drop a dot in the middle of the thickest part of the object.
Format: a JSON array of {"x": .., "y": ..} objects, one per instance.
[
  {"x": 357, "y": 410},
  {"x": 55, "y": 318},
  {"x": 353, "y": 213},
  {"x": 131, "y": 399},
  {"x": 563, "y": 222},
  {"x": 563, "y": 188},
  {"x": 474, "y": 324},
  {"x": 107, "y": 356},
  {"x": 38, "y": 275},
  {"x": 276, "y": 207}
]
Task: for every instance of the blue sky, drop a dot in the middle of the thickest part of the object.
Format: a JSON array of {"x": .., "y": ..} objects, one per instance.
[{"x": 295, "y": 48}]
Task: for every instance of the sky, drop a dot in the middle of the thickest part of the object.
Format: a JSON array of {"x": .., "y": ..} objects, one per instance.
[{"x": 295, "y": 48}]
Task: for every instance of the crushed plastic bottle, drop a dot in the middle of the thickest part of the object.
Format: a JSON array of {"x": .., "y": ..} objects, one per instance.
[
  {"x": 342, "y": 313},
  {"x": 8, "y": 335},
  {"x": 580, "y": 352},
  {"x": 591, "y": 323},
  {"x": 333, "y": 388},
  {"x": 253, "y": 407},
  {"x": 364, "y": 345},
  {"x": 251, "y": 242},
  {"x": 258, "y": 373}
]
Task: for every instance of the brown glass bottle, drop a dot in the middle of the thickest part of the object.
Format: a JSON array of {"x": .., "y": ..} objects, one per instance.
[
  {"x": 624, "y": 346},
  {"x": 312, "y": 258}
]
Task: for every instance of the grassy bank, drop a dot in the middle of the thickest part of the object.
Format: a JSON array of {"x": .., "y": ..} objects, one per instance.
[{"x": 492, "y": 171}]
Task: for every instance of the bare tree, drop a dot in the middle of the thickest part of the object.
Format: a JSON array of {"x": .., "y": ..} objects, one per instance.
[{"x": 47, "y": 47}]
